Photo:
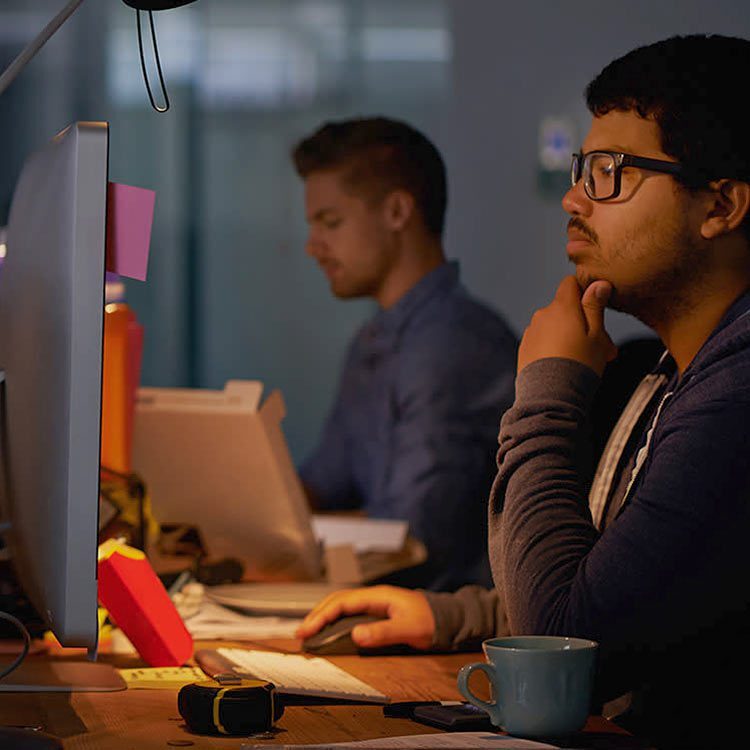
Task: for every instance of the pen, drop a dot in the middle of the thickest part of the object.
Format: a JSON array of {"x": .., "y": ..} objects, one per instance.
[{"x": 405, "y": 709}]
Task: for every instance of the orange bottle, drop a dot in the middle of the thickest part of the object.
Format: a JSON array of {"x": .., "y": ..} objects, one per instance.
[{"x": 123, "y": 347}]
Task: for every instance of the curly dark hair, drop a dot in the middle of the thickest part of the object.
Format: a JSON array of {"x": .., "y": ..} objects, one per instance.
[
  {"x": 693, "y": 87},
  {"x": 378, "y": 155}
]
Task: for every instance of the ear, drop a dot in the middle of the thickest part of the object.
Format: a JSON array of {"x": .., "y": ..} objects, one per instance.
[
  {"x": 398, "y": 209},
  {"x": 730, "y": 205}
]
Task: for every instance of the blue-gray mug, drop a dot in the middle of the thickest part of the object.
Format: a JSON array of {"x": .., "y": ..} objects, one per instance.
[{"x": 541, "y": 685}]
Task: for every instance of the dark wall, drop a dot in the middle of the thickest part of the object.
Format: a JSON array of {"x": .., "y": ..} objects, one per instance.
[{"x": 514, "y": 64}]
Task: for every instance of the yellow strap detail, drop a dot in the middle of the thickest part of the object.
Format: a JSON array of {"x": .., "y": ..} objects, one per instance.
[{"x": 217, "y": 720}]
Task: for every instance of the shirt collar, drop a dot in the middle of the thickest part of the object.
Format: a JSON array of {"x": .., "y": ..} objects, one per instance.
[{"x": 437, "y": 282}]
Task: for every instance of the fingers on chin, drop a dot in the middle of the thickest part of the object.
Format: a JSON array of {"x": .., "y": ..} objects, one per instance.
[{"x": 568, "y": 288}]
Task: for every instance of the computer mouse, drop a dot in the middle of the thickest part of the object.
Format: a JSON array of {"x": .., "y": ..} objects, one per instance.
[{"x": 336, "y": 638}]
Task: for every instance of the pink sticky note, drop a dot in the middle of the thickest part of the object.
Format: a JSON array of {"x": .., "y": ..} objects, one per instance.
[{"x": 130, "y": 213}]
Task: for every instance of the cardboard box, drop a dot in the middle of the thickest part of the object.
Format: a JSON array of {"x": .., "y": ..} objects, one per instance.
[{"x": 218, "y": 460}]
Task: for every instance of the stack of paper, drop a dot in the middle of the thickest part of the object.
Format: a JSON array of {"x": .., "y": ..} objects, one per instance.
[
  {"x": 212, "y": 621},
  {"x": 364, "y": 534}
]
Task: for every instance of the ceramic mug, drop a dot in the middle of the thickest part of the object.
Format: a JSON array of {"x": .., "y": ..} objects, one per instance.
[{"x": 541, "y": 685}]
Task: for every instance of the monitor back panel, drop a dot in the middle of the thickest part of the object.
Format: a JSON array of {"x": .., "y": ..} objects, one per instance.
[{"x": 51, "y": 318}]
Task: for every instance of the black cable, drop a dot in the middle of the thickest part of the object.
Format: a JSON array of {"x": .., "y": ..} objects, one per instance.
[
  {"x": 26, "y": 643},
  {"x": 158, "y": 62}
]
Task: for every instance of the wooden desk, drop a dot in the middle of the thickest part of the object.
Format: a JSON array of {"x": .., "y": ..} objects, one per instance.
[{"x": 149, "y": 720}]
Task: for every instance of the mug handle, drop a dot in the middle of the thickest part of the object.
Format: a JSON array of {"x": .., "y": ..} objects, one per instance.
[{"x": 493, "y": 709}]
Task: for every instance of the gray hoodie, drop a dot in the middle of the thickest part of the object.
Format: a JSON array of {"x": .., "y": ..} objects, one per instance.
[{"x": 665, "y": 589}]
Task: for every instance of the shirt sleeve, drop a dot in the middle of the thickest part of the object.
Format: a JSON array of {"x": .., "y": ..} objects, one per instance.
[
  {"x": 465, "y": 618},
  {"x": 676, "y": 544},
  {"x": 327, "y": 472},
  {"x": 444, "y": 438}
]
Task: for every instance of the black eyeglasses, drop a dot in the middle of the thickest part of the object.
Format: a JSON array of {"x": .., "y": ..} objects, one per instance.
[{"x": 602, "y": 171}]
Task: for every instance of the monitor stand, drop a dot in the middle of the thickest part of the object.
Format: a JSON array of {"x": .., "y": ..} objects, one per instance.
[{"x": 40, "y": 674}]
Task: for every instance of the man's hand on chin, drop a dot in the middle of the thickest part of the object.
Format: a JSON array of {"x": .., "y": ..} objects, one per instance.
[{"x": 571, "y": 326}]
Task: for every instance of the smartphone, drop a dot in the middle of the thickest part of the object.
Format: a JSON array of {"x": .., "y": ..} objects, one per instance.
[{"x": 462, "y": 717}]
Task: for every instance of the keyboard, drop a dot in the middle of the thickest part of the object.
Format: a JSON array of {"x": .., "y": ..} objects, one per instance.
[{"x": 292, "y": 674}]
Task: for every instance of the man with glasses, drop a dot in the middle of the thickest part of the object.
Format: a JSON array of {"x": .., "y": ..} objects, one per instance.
[{"x": 651, "y": 556}]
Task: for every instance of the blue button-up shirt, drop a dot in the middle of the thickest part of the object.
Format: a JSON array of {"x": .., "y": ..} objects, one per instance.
[{"x": 413, "y": 431}]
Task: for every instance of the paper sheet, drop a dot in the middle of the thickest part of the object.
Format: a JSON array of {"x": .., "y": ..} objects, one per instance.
[
  {"x": 364, "y": 534},
  {"x": 446, "y": 739},
  {"x": 212, "y": 621}
]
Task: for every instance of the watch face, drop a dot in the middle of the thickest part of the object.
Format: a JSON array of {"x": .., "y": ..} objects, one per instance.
[{"x": 156, "y": 4}]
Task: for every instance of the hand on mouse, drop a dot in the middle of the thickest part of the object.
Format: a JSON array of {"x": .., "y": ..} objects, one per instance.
[{"x": 407, "y": 617}]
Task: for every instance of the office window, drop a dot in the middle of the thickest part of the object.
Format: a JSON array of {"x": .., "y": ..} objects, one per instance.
[{"x": 231, "y": 292}]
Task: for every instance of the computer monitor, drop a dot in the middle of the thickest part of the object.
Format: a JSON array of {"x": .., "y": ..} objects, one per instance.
[{"x": 51, "y": 338}]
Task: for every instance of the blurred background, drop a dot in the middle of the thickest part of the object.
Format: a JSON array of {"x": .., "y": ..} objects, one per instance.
[{"x": 497, "y": 85}]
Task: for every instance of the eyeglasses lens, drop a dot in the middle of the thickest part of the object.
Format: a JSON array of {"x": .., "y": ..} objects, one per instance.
[
  {"x": 575, "y": 169},
  {"x": 599, "y": 174}
]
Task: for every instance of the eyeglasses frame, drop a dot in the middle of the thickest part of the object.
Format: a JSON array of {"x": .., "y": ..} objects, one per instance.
[{"x": 622, "y": 160}]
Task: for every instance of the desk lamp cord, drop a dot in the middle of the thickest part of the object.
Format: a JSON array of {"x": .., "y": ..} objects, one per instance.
[
  {"x": 165, "y": 106},
  {"x": 26, "y": 643}
]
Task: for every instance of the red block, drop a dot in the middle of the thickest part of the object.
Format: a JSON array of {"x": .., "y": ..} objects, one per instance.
[{"x": 140, "y": 606}]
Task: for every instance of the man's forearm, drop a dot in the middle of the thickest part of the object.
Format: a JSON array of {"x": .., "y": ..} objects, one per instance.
[
  {"x": 465, "y": 618},
  {"x": 540, "y": 527}
]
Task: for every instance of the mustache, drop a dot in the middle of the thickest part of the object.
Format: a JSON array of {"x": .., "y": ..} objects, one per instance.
[{"x": 577, "y": 223}]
